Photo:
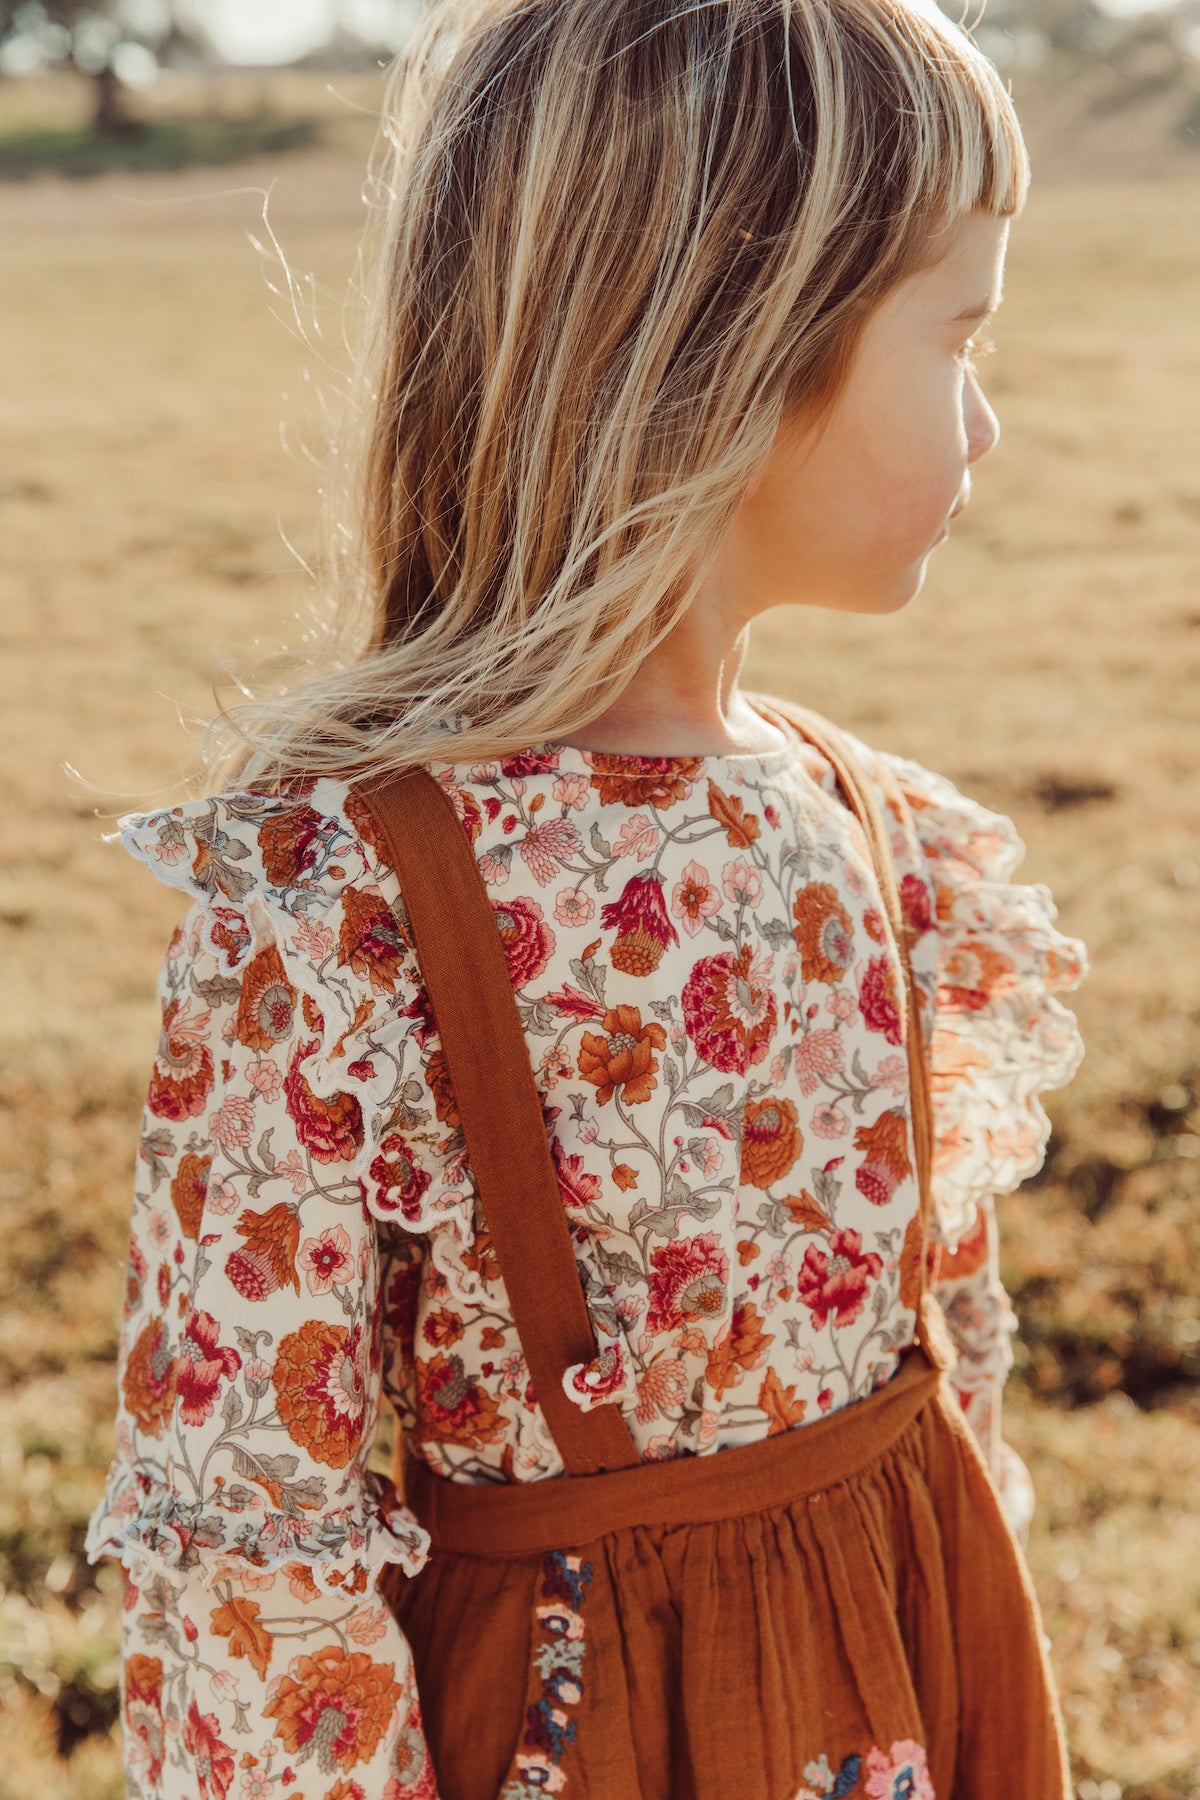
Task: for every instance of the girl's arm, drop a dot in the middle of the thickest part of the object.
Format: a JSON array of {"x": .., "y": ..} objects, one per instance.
[{"x": 255, "y": 1647}]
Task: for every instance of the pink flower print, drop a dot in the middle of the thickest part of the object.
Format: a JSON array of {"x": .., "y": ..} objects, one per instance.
[
  {"x": 742, "y": 882},
  {"x": 368, "y": 1624},
  {"x": 660, "y": 1388},
  {"x": 290, "y": 1168},
  {"x": 829, "y": 1121},
  {"x": 900, "y": 1773},
  {"x": 265, "y": 1077},
  {"x": 571, "y": 789},
  {"x": 494, "y": 869},
  {"x": 854, "y": 882},
  {"x": 483, "y": 772},
  {"x": 546, "y": 846},
  {"x": 223, "y": 1197},
  {"x": 892, "y": 1074},
  {"x": 230, "y": 1125},
  {"x": 818, "y": 1056},
  {"x": 326, "y": 1260},
  {"x": 843, "y": 1005},
  {"x": 556, "y": 1065},
  {"x": 637, "y": 837},
  {"x": 573, "y": 907},
  {"x": 313, "y": 939},
  {"x": 694, "y": 898}
]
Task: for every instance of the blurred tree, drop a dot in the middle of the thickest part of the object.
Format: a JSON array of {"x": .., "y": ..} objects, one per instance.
[{"x": 116, "y": 44}]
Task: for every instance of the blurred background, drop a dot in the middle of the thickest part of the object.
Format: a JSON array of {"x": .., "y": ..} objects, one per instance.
[{"x": 166, "y": 358}]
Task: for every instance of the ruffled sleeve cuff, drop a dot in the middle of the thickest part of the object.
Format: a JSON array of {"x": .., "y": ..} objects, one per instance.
[
  {"x": 155, "y": 1531},
  {"x": 1000, "y": 1036}
]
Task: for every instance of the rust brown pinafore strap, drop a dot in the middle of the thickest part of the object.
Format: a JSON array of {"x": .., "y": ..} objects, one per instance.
[{"x": 701, "y": 1682}]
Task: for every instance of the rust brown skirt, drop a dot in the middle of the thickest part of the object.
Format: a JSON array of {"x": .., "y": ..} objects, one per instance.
[{"x": 840, "y": 1610}]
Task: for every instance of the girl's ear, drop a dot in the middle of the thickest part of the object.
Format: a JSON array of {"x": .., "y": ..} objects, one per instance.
[{"x": 753, "y": 487}]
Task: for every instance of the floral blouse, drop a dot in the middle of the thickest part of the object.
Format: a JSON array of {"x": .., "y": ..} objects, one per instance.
[{"x": 697, "y": 950}]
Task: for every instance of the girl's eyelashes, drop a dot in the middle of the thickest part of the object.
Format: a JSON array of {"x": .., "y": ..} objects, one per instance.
[{"x": 975, "y": 348}]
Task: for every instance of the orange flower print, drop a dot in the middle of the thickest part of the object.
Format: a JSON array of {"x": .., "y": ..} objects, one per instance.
[
  {"x": 528, "y": 941},
  {"x": 182, "y": 1077},
  {"x": 634, "y": 781},
  {"x": 143, "y": 1720},
  {"x": 743, "y": 1347},
  {"x": 822, "y": 933},
  {"x": 642, "y": 926},
  {"x": 623, "y": 1058},
  {"x": 688, "y": 1281},
  {"x": 369, "y": 939},
  {"x": 331, "y": 1129},
  {"x": 289, "y": 843},
  {"x": 437, "y": 1076},
  {"x": 452, "y": 1406},
  {"x": 694, "y": 898},
  {"x": 910, "y": 1263},
  {"x": 149, "y": 1380},
  {"x": 886, "y": 1146},
  {"x": 211, "y": 1757},
  {"x": 729, "y": 1009},
  {"x": 267, "y": 1006},
  {"x": 336, "y": 1705},
  {"x": 771, "y": 1141},
  {"x": 230, "y": 934},
  {"x": 320, "y": 1383},
  {"x": 189, "y": 1187},
  {"x": 267, "y": 1260},
  {"x": 973, "y": 974}
]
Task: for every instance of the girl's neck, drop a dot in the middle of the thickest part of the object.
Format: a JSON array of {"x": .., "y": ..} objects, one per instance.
[{"x": 684, "y": 699}]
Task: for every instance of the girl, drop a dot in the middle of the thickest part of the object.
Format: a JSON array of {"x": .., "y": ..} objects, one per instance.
[{"x": 612, "y": 1068}]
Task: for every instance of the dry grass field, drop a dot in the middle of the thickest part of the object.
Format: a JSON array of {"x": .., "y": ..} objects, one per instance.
[{"x": 1050, "y": 666}]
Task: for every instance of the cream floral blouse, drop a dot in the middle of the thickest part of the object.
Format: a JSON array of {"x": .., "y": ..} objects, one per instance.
[{"x": 696, "y": 948}]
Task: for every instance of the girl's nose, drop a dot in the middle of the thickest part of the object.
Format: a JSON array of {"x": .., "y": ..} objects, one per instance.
[{"x": 983, "y": 427}]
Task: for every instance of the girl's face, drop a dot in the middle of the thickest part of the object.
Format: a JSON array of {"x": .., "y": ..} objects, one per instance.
[{"x": 846, "y": 516}]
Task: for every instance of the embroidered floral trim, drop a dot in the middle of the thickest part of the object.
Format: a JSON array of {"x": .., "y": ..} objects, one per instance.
[
  {"x": 900, "y": 1773},
  {"x": 558, "y": 1661}
]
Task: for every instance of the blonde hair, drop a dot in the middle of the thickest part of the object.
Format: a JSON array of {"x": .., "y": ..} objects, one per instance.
[{"x": 612, "y": 244}]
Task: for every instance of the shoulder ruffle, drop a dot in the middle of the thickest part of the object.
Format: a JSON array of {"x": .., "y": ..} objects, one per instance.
[
  {"x": 155, "y": 1531},
  {"x": 1000, "y": 1035},
  {"x": 296, "y": 887}
]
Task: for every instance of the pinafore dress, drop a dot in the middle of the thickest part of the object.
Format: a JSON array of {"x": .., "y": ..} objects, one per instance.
[{"x": 836, "y": 1610}]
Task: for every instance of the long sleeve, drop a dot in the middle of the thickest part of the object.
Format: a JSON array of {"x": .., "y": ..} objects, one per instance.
[
  {"x": 1000, "y": 1039},
  {"x": 255, "y": 1648}
]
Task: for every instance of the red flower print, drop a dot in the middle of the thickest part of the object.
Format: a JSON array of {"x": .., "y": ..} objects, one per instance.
[
  {"x": 624, "y": 1058},
  {"x": 915, "y": 903},
  {"x": 877, "y": 999},
  {"x": 143, "y": 1720},
  {"x": 729, "y": 1009},
  {"x": 267, "y": 1006},
  {"x": 331, "y": 1129},
  {"x": 230, "y": 934},
  {"x": 212, "y": 1758},
  {"x": 822, "y": 933},
  {"x": 836, "y": 1282},
  {"x": 546, "y": 846},
  {"x": 529, "y": 762},
  {"x": 576, "y": 1186},
  {"x": 369, "y": 940},
  {"x": 634, "y": 781},
  {"x": 642, "y": 926},
  {"x": 688, "y": 1281},
  {"x": 320, "y": 1381},
  {"x": 398, "y": 1184},
  {"x": 528, "y": 941},
  {"x": 149, "y": 1380},
  {"x": 337, "y": 1704},
  {"x": 182, "y": 1077},
  {"x": 202, "y": 1363}
]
